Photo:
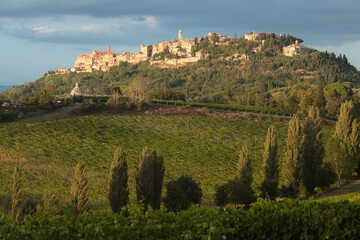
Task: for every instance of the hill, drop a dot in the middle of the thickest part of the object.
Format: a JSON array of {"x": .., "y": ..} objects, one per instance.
[
  {"x": 264, "y": 76},
  {"x": 205, "y": 148}
]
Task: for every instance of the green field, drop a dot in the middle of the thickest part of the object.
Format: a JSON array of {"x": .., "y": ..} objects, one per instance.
[{"x": 205, "y": 148}]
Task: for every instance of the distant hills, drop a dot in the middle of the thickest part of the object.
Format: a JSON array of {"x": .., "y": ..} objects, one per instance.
[{"x": 259, "y": 69}]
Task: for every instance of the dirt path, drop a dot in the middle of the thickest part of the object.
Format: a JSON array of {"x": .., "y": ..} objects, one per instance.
[
  {"x": 57, "y": 114},
  {"x": 345, "y": 189}
]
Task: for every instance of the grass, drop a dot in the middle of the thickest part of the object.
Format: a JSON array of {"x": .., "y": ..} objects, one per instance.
[
  {"x": 205, "y": 148},
  {"x": 46, "y": 116}
]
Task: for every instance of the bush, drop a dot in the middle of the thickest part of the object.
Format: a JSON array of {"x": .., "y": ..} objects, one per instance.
[
  {"x": 176, "y": 198},
  {"x": 181, "y": 193},
  {"x": 234, "y": 192},
  {"x": 327, "y": 175}
]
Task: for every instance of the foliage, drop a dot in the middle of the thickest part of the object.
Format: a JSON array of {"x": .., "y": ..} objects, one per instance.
[
  {"x": 181, "y": 193},
  {"x": 312, "y": 151},
  {"x": 244, "y": 171},
  {"x": 118, "y": 186},
  {"x": 176, "y": 198},
  {"x": 223, "y": 78},
  {"x": 269, "y": 185},
  {"x": 205, "y": 148},
  {"x": 292, "y": 163},
  {"x": 15, "y": 191},
  {"x": 234, "y": 191},
  {"x": 49, "y": 204},
  {"x": 149, "y": 178},
  {"x": 343, "y": 124},
  {"x": 79, "y": 190},
  {"x": 332, "y": 218}
]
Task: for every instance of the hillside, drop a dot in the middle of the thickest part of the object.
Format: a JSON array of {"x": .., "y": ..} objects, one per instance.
[
  {"x": 205, "y": 148},
  {"x": 265, "y": 77}
]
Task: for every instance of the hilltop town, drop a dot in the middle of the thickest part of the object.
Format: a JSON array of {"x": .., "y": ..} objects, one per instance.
[{"x": 170, "y": 53}]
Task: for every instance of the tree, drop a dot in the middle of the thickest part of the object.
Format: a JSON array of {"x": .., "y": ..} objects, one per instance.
[
  {"x": 292, "y": 164},
  {"x": 181, "y": 193},
  {"x": 355, "y": 141},
  {"x": 244, "y": 169},
  {"x": 138, "y": 90},
  {"x": 79, "y": 190},
  {"x": 234, "y": 191},
  {"x": 48, "y": 206},
  {"x": 15, "y": 191},
  {"x": 338, "y": 156},
  {"x": 176, "y": 198},
  {"x": 319, "y": 100},
  {"x": 270, "y": 181},
  {"x": 312, "y": 151},
  {"x": 149, "y": 178},
  {"x": 118, "y": 186},
  {"x": 343, "y": 124}
]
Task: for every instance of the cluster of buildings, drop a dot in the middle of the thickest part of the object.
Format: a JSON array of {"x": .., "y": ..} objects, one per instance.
[{"x": 181, "y": 48}]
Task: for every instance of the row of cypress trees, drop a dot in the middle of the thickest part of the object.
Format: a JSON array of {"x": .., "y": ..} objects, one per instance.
[
  {"x": 302, "y": 168},
  {"x": 149, "y": 182}
]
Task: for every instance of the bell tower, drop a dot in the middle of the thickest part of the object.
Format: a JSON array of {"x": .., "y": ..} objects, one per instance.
[{"x": 180, "y": 35}]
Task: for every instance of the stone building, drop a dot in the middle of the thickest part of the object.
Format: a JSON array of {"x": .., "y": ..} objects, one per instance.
[
  {"x": 251, "y": 36},
  {"x": 296, "y": 49},
  {"x": 76, "y": 90}
]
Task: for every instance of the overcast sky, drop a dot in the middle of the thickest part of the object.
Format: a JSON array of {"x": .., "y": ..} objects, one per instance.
[{"x": 41, "y": 35}]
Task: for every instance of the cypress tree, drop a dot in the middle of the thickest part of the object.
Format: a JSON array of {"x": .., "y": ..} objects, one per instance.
[
  {"x": 244, "y": 175},
  {"x": 343, "y": 124},
  {"x": 15, "y": 191},
  {"x": 118, "y": 187},
  {"x": 355, "y": 141},
  {"x": 292, "y": 164},
  {"x": 312, "y": 151},
  {"x": 149, "y": 178},
  {"x": 319, "y": 100},
  {"x": 270, "y": 181},
  {"x": 80, "y": 190},
  {"x": 244, "y": 169}
]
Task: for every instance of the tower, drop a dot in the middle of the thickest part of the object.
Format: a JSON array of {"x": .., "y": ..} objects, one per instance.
[
  {"x": 180, "y": 35},
  {"x": 109, "y": 49}
]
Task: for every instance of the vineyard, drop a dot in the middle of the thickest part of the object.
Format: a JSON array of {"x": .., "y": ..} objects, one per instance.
[
  {"x": 205, "y": 148},
  {"x": 334, "y": 218}
]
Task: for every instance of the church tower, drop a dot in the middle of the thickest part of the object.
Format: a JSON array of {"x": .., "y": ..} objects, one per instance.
[{"x": 180, "y": 35}]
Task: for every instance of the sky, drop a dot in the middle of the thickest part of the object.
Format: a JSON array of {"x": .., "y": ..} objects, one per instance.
[{"x": 41, "y": 35}]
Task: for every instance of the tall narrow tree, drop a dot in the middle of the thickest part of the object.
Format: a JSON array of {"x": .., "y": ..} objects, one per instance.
[
  {"x": 319, "y": 100},
  {"x": 312, "y": 151},
  {"x": 15, "y": 191},
  {"x": 244, "y": 175},
  {"x": 79, "y": 190},
  {"x": 244, "y": 169},
  {"x": 355, "y": 141},
  {"x": 269, "y": 185},
  {"x": 343, "y": 124},
  {"x": 149, "y": 178},
  {"x": 118, "y": 186},
  {"x": 292, "y": 164}
]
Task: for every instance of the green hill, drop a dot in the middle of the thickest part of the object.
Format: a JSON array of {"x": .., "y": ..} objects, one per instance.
[
  {"x": 205, "y": 148},
  {"x": 221, "y": 78}
]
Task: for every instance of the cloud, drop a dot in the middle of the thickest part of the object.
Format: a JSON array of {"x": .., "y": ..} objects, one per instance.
[
  {"x": 316, "y": 21},
  {"x": 84, "y": 30}
]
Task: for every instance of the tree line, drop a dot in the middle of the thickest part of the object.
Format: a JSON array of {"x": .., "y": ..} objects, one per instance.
[
  {"x": 181, "y": 193},
  {"x": 306, "y": 165}
]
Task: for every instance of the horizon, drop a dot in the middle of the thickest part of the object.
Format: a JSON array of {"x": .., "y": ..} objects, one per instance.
[{"x": 36, "y": 37}]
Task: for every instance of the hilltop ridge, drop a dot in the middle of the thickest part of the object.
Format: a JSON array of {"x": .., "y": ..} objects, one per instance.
[{"x": 180, "y": 51}]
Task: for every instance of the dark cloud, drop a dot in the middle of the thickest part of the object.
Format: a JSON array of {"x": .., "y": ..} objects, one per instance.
[{"x": 316, "y": 20}]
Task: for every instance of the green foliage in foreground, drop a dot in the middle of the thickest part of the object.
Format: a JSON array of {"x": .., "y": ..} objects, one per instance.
[
  {"x": 290, "y": 219},
  {"x": 206, "y": 149}
]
